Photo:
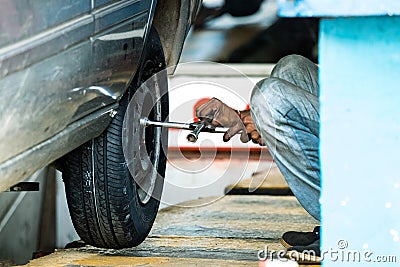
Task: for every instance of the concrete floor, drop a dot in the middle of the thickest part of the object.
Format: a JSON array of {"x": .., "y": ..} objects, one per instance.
[
  {"x": 225, "y": 230},
  {"x": 229, "y": 232}
]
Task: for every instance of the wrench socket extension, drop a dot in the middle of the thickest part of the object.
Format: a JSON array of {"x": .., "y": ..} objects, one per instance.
[{"x": 194, "y": 127}]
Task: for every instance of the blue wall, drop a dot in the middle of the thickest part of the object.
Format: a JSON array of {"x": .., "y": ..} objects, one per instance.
[
  {"x": 360, "y": 137},
  {"x": 320, "y": 8}
]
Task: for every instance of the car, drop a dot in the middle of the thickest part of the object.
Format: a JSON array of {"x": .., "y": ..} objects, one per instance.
[{"x": 68, "y": 72}]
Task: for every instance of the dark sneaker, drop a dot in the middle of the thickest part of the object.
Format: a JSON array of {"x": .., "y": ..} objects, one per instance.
[
  {"x": 305, "y": 254},
  {"x": 75, "y": 244},
  {"x": 292, "y": 238}
]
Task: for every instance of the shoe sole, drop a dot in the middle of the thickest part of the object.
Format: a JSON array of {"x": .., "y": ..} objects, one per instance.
[
  {"x": 284, "y": 243},
  {"x": 303, "y": 258}
]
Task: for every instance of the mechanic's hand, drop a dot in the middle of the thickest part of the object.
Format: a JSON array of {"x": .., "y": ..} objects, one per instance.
[
  {"x": 251, "y": 127},
  {"x": 216, "y": 113}
]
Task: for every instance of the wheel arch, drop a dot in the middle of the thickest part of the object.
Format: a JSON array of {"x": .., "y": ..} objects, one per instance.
[{"x": 172, "y": 19}]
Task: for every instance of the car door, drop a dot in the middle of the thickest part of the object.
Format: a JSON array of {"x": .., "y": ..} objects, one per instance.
[
  {"x": 120, "y": 28},
  {"x": 45, "y": 58}
]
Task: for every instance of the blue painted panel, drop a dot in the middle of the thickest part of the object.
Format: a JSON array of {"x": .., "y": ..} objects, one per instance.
[
  {"x": 360, "y": 138},
  {"x": 322, "y": 8}
]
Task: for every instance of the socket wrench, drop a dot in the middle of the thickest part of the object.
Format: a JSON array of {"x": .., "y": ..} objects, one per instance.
[{"x": 194, "y": 127}]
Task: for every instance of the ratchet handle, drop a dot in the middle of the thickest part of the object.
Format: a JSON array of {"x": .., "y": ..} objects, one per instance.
[
  {"x": 194, "y": 135},
  {"x": 194, "y": 127}
]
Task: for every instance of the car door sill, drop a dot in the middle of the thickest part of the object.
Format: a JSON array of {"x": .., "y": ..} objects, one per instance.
[{"x": 26, "y": 163}]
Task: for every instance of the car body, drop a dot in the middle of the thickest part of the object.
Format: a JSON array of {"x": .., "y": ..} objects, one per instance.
[{"x": 64, "y": 66}]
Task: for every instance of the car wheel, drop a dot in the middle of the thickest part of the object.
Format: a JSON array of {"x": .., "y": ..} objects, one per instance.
[{"x": 113, "y": 201}]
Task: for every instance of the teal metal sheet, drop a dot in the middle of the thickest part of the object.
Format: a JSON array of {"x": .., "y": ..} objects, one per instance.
[
  {"x": 360, "y": 140},
  {"x": 337, "y": 8}
]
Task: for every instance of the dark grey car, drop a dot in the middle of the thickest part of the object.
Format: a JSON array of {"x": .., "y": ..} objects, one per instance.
[{"x": 68, "y": 69}]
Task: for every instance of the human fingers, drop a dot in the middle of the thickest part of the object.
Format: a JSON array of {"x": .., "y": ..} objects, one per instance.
[
  {"x": 254, "y": 135},
  {"x": 250, "y": 128},
  {"x": 234, "y": 130},
  {"x": 260, "y": 141},
  {"x": 247, "y": 120}
]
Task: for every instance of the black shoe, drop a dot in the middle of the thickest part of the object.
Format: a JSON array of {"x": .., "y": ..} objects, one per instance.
[
  {"x": 305, "y": 254},
  {"x": 290, "y": 239},
  {"x": 75, "y": 244}
]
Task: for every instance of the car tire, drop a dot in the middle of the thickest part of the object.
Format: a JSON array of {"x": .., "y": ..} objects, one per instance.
[{"x": 107, "y": 205}]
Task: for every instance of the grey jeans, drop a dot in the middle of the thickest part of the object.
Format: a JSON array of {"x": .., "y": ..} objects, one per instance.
[{"x": 285, "y": 109}]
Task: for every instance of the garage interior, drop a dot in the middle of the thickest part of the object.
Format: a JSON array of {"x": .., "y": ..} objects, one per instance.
[
  {"x": 186, "y": 231},
  {"x": 222, "y": 204}
]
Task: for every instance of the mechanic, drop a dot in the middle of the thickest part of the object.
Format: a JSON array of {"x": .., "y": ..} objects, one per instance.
[{"x": 284, "y": 116}]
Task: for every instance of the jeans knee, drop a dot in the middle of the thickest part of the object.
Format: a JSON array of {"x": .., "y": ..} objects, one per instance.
[
  {"x": 267, "y": 92},
  {"x": 290, "y": 61},
  {"x": 256, "y": 97}
]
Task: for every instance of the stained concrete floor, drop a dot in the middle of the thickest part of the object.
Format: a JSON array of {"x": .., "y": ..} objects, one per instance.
[
  {"x": 228, "y": 232},
  {"x": 210, "y": 231}
]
